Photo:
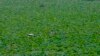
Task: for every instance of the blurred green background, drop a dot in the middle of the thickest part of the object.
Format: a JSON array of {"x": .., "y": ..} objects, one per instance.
[{"x": 58, "y": 28}]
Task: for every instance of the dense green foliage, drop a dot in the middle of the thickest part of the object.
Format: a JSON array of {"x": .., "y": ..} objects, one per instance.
[{"x": 59, "y": 27}]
